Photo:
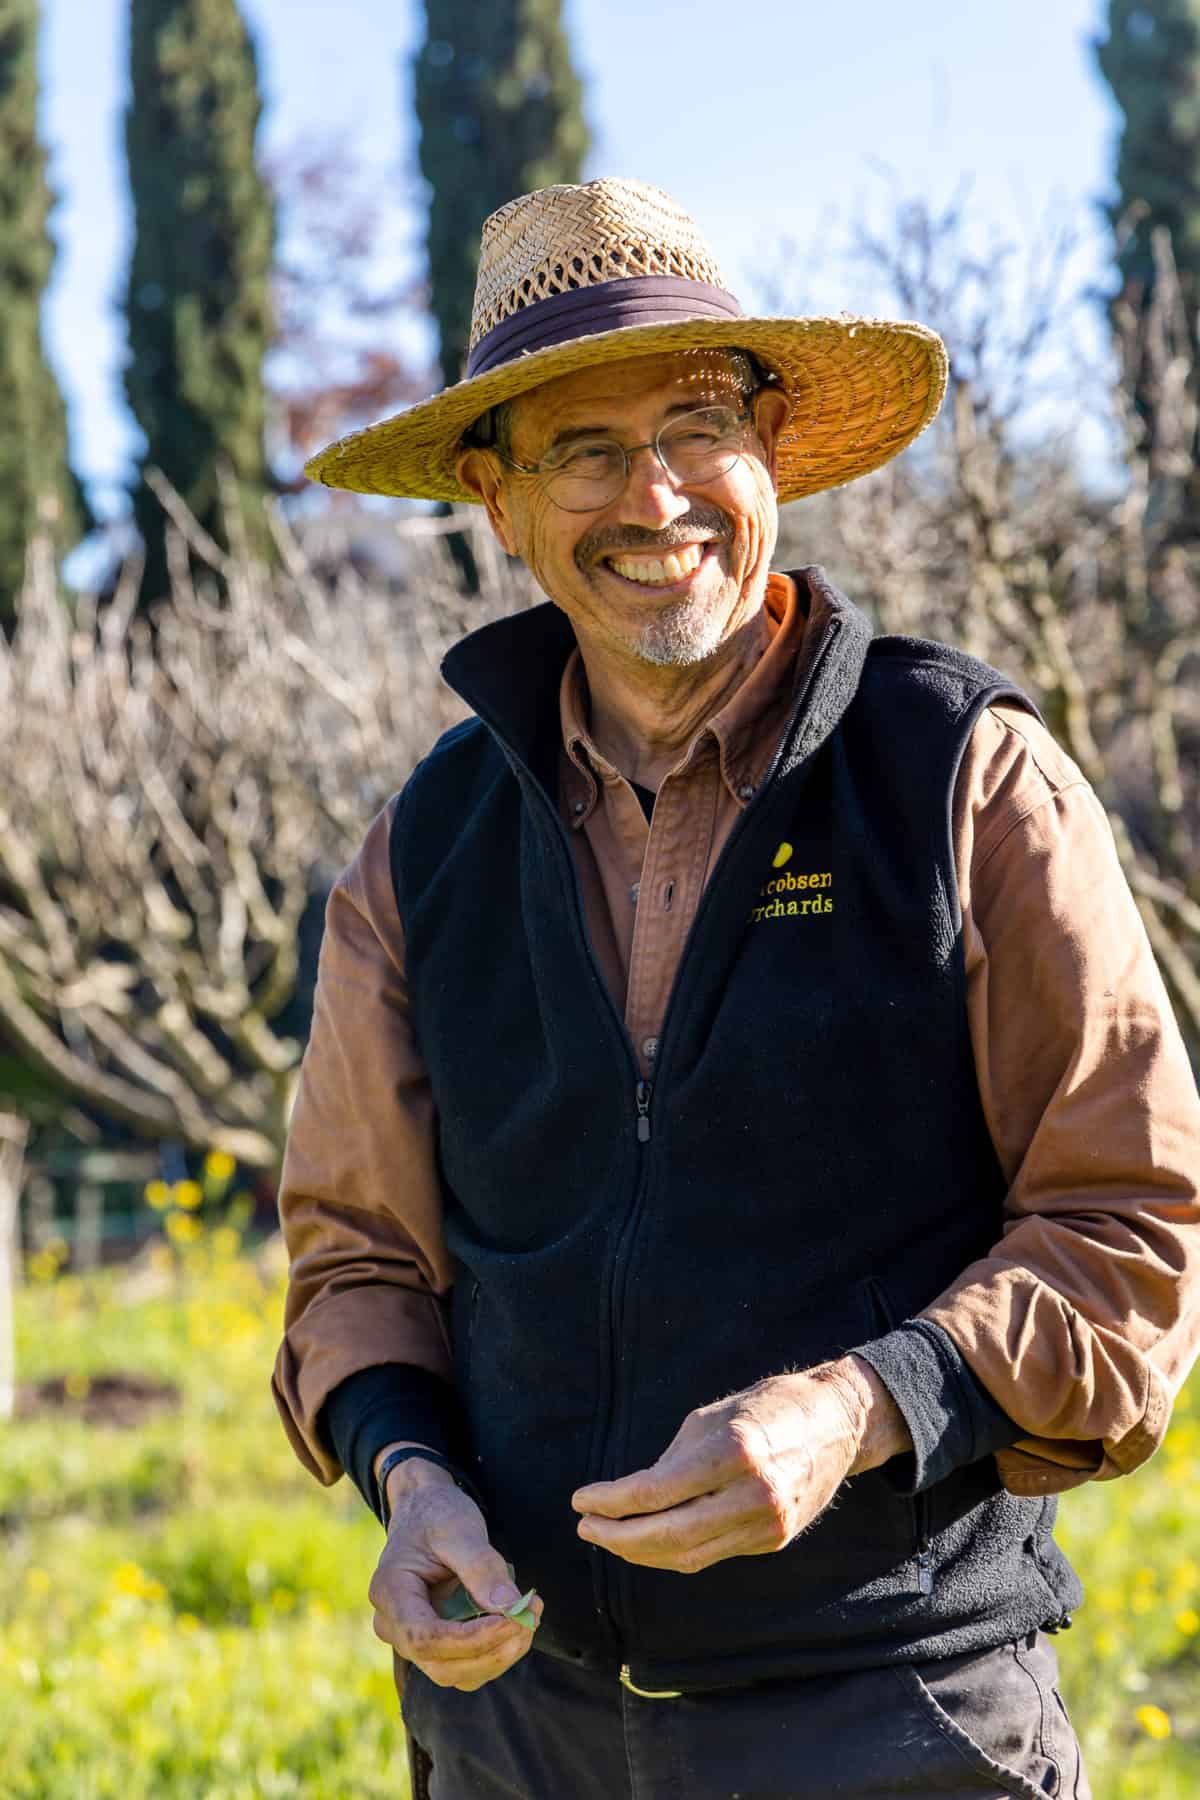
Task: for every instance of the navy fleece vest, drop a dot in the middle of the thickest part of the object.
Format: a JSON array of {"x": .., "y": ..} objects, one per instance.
[{"x": 811, "y": 1167}]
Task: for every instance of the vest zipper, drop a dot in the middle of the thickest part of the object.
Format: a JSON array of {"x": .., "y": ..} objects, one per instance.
[
  {"x": 924, "y": 1567},
  {"x": 605, "y": 1575}
]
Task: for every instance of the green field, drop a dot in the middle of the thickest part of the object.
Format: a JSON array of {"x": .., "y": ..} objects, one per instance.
[{"x": 183, "y": 1610}]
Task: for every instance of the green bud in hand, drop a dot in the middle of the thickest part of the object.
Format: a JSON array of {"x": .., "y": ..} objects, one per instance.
[{"x": 459, "y": 1607}]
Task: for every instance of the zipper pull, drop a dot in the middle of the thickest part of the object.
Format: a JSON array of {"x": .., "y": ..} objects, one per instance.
[
  {"x": 924, "y": 1567},
  {"x": 642, "y": 1101}
]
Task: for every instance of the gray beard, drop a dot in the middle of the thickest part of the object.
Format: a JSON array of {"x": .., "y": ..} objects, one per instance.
[{"x": 683, "y": 634}]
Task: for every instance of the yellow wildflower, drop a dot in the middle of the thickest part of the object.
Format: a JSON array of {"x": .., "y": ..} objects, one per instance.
[
  {"x": 158, "y": 1194},
  {"x": 187, "y": 1194},
  {"x": 128, "y": 1578},
  {"x": 1153, "y": 1721},
  {"x": 219, "y": 1165},
  {"x": 1187, "y": 1621},
  {"x": 226, "y": 1242},
  {"x": 183, "y": 1229},
  {"x": 41, "y": 1266}
]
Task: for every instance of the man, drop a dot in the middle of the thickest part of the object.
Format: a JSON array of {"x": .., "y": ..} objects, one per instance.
[{"x": 744, "y": 1161}]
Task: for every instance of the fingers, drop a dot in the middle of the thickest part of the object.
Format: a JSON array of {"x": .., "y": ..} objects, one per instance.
[
  {"x": 742, "y": 1520},
  {"x": 677, "y": 1477},
  {"x": 482, "y": 1571},
  {"x": 463, "y": 1656},
  {"x": 438, "y": 1538}
]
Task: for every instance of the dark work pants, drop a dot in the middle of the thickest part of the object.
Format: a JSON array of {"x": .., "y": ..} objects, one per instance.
[{"x": 964, "y": 1728}]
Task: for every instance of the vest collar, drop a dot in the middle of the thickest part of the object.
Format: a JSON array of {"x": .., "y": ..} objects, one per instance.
[{"x": 510, "y": 672}]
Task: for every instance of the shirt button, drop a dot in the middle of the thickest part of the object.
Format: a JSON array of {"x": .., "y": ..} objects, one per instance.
[
  {"x": 634, "y": 891},
  {"x": 746, "y": 791},
  {"x": 650, "y": 1048},
  {"x": 577, "y": 808}
]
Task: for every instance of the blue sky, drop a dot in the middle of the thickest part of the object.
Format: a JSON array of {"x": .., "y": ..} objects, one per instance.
[{"x": 766, "y": 120}]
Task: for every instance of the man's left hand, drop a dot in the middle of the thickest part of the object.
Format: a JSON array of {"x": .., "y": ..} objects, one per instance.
[{"x": 746, "y": 1475}]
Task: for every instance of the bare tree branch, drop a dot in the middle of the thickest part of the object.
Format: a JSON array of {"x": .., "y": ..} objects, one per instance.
[{"x": 178, "y": 792}]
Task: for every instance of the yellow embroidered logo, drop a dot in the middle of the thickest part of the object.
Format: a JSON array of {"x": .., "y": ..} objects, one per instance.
[{"x": 792, "y": 896}]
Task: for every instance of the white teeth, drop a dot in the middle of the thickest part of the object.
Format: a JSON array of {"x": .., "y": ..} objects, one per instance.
[{"x": 655, "y": 572}]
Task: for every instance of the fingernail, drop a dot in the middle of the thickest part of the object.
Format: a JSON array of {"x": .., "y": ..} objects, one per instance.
[{"x": 507, "y": 1595}]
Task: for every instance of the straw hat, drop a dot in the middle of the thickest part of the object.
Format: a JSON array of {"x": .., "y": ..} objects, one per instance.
[{"x": 574, "y": 276}]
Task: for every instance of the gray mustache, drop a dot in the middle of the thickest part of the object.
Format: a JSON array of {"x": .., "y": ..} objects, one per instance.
[{"x": 705, "y": 525}]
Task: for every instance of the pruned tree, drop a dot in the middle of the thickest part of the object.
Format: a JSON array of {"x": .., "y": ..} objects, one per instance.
[
  {"x": 990, "y": 533},
  {"x": 174, "y": 796},
  {"x": 38, "y": 491},
  {"x": 198, "y": 299}
]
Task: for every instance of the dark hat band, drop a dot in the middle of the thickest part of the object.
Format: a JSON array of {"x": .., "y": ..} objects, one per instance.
[{"x": 582, "y": 312}]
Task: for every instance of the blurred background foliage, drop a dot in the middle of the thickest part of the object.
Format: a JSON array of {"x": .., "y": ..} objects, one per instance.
[{"x": 193, "y": 749}]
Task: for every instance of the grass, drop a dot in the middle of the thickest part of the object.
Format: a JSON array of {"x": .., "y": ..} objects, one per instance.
[
  {"x": 184, "y": 1616},
  {"x": 184, "y": 1611}
]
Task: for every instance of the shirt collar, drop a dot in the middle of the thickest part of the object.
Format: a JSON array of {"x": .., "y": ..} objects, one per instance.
[{"x": 743, "y": 733}]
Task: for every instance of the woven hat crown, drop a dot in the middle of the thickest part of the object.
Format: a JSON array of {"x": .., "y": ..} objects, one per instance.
[{"x": 565, "y": 237}]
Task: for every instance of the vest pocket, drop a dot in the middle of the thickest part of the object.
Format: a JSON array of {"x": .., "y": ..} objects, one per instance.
[{"x": 465, "y": 1311}]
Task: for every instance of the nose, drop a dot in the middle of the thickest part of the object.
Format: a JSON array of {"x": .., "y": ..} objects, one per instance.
[{"x": 651, "y": 496}]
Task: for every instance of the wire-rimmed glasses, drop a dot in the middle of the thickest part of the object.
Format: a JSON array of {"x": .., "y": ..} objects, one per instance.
[{"x": 587, "y": 473}]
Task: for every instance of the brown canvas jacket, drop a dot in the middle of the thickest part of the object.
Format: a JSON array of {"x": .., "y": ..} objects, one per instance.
[{"x": 1083, "y": 1319}]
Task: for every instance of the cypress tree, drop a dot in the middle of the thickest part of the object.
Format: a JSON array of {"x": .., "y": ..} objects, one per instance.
[
  {"x": 37, "y": 487},
  {"x": 198, "y": 297},
  {"x": 500, "y": 110},
  {"x": 1151, "y": 61}
]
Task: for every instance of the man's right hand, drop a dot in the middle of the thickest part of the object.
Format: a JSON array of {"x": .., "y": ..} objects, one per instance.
[{"x": 436, "y": 1536}]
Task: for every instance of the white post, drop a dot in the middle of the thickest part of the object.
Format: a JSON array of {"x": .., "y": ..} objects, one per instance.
[
  {"x": 13, "y": 1133},
  {"x": 89, "y": 1228},
  {"x": 39, "y": 1211}
]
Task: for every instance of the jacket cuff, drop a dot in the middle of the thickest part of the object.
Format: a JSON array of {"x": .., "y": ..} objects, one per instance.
[
  {"x": 950, "y": 1415},
  {"x": 386, "y": 1404}
]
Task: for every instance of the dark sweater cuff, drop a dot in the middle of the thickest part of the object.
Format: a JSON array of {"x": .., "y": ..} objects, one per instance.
[
  {"x": 386, "y": 1404},
  {"x": 950, "y": 1414}
]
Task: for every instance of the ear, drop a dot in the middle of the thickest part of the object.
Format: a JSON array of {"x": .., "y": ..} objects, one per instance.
[
  {"x": 771, "y": 411},
  {"x": 480, "y": 471}
]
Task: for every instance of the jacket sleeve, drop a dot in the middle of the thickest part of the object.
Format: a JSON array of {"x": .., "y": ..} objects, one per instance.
[
  {"x": 359, "y": 1200},
  {"x": 1082, "y": 1321}
]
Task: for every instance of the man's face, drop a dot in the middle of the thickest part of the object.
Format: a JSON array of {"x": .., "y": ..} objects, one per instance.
[{"x": 664, "y": 573}]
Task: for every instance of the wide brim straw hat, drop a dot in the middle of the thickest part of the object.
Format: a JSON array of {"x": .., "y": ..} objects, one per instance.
[{"x": 572, "y": 277}]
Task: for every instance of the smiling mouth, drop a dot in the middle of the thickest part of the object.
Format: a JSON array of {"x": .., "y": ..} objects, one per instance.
[{"x": 658, "y": 571}]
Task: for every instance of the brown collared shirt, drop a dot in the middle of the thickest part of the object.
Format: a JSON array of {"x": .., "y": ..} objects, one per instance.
[{"x": 1082, "y": 1320}]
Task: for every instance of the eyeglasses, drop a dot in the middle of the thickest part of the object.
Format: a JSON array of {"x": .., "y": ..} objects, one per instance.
[{"x": 589, "y": 473}]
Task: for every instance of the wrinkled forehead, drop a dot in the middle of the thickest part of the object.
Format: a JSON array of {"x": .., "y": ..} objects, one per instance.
[{"x": 612, "y": 393}]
